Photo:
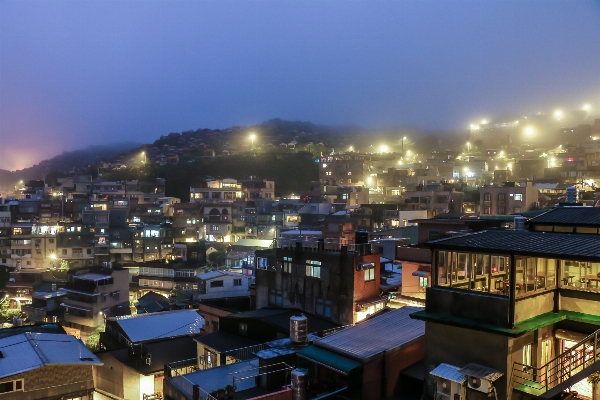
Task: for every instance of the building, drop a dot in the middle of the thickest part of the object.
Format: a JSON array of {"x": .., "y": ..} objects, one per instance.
[
  {"x": 46, "y": 366},
  {"x": 220, "y": 284},
  {"x": 508, "y": 199},
  {"x": 519, "y": 305},
  {"x": 347, "y": 362},
  {"x": 94, "y": 294},
  {"x": 327, "y": 279}
]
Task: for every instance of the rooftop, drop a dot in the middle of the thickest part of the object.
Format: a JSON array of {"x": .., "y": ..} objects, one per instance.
[
  {"x": 350, "y": 341},
  {"x": 28, "y": 351},
  {"x": 550, "y": 245},
  {"x": 145, "y": 327},
  {"x": 571, "y": 215}
]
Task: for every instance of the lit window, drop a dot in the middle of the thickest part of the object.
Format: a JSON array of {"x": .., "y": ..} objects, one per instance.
[
  {"x": 287, "y": 265},
  {"x": 313, "y": 268},
  {"x": 518, "y": 197}
]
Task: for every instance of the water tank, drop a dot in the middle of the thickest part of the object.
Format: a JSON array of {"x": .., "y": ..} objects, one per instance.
[
  {"x": 572, "y": 194},
  {"x": 299, "y": 329},
  {"x": 361, "y": 237},
  {"x": 17, "y": 321},
  {"x": 520, "y": 222},
  {"x": 299, "y": 384}
]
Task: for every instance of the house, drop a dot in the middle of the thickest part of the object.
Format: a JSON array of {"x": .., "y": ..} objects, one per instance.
[
  {"x": 94, "y": 294},
  {"x": 508, "y": 199},
  {"x": 137, "y": 372},
  {"x": 46, "y": 366},
  {"x": 516, "y": 304},
  {"x": 347, "y": 362},
  {"x": 143, "y": 328},
  {"x": 219, "y": 284},
  {"x": 331, "y": 279}
]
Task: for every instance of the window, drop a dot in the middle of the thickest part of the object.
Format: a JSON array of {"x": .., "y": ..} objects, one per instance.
[
  {"x": 261, "y": 263},
  {"x": 423, "y": 281},
  {"x": 527, "y": 354},
  {"x": 518, "y": 197},
  {"x": 50, "y": 240},
  {"x": 216, "y": 283},
  {"x": 323, "y": 307},
  {"x": 487, "y": 197},
  {"x": 11, "y": 386},
  {"x": 501, "y": 210},
  {"x": 546, "y": 351},
  {"x": 313, "y": 268},
  {"x": 64, "y": 252},
  {"x": 345, "y": 196},
  {"x": 237, "y": 282},
  {"x": 88, "y": 251},
  {"x": 369, "y": 272},
  {"x": 214, "y": 228},
  {"x": 275, "y": 297},
  {"x": 501, "y": 196},
  {"x": 287, "y": 265},
  {"x": 486, "y": 210}
]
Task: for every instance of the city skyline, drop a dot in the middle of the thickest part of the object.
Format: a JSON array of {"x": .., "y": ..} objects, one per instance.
[{"x": 78, "y": 73}]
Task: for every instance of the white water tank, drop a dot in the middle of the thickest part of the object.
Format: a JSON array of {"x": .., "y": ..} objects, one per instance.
[
  {"x": 299, "y": 384},
  {"x": 299, "y": 329}
]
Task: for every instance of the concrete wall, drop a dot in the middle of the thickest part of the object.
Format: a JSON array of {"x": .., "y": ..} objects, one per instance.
[
  {"x": 533, "y": 306},
  {"x": 395, "y": 363},
  {"x": 53, "y": 380},
  {"x": 580, "y": 301},
  {"x": 460, "y": 346},
  {"x": 471, "y": 305}
]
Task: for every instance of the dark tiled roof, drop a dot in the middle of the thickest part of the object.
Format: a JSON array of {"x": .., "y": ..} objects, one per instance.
[
  {"x": 223, "y": 341},
  {"x": 551, "y": 245},
  {"x": 570, "y": 215},
  {"x": 162, "y": 352}
]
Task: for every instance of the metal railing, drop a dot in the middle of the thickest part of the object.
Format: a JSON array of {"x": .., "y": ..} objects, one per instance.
[
  {"x": 323, "y": 245},
  {"x": 327, "y": 332},
  {"x": 561, "y": 368},
  {"x": 245, "y": 353}
]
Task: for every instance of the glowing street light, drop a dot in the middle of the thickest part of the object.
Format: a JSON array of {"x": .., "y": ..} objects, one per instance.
[
  {"x": 403, "y": 139},
  {"x": 558, "y": 114},
  {"x": 586, "y": 107},
  {"x": 383, "y": 148},
  {"x": 484, "y": 121},
  {"x": 252, "y": 137},
  {"x": 144, "y": 154},
  {"x": 529, "y": 131},
  {"x": 468, "y": 147},
  {"x": 351, "y": 148}
]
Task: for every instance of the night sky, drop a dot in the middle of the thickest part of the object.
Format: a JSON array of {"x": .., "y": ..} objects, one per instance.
[{"x": 75, "y": 73}]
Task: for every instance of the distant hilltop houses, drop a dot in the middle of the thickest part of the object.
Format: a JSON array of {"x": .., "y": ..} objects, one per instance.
[{"x": 362, "y": 285}]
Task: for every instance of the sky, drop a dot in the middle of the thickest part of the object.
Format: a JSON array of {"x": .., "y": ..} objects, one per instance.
[{"x": 75, "y": 73}]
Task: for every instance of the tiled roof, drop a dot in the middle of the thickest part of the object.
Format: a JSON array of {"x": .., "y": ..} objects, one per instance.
[
  {"x": 351, "y": 341},
  {"x": 551, "y": 245},
  {"x": 576, "y": 215}
]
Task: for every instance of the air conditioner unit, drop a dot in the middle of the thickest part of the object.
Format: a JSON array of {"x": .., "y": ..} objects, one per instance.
[
  {"x": 479, "y": 384},
  {"x": 359, "y": 267}
]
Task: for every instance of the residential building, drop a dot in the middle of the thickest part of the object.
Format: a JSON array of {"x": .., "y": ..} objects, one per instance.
[
  {"x": 46, "y": 366},
  {"x": 220, "y": 284},
  {"x": 348, "y": 363},
  {"x": 520, "y": 305},
  {"x": 329, "y": 279},
  {"x": 94, "y": 294},
  {"x": 508, "y": 199}
]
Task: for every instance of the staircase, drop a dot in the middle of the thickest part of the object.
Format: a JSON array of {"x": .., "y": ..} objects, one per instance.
[{"x": 560, "y": 373}]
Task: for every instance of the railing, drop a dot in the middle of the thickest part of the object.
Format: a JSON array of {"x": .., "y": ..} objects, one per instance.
[
  {"x": 328, "y": 332},
  {"x": 325, "y": 244},
  {"x": 560, "y": 369},
  {"x": 181, "y": 367},
  {"x": 245, "y": 353},
  {"x": 281, "y": 367}
]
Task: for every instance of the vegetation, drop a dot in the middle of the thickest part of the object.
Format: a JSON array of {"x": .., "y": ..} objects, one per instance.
[{"x": 93, "y": 342}]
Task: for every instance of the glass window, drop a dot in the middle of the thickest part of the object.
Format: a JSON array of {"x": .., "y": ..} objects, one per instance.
[
  {"x": 369, "y": 274},
  {"x": 287, "y": 265},
  {"x": 442, "y": 268}
]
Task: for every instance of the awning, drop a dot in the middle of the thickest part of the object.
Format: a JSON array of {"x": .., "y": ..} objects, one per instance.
[
  {"x": 449, "y": 372},
  {"x": 424, "y": 274},
  {"x": 481, "y": 372},
  {"x": 329, "y": 359}
]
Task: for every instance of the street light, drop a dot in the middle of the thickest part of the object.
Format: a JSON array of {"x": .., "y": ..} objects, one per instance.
[
  {"x": 468, "y": 147},
  {"x": 144, "y": 154},
  {"x": 558, "y": 114},
  {"x": 252, "y": 137},
  {"x": 403, "y": 139},
  {"x": 529, "y": 131},
  {"x": 383, "y": 148}
]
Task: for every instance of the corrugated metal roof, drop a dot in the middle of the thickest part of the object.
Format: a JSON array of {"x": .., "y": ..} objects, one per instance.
[
  {"x": 254, "y": 243},
  {"x": 390, "y": 330},
  {"x": 449, "y": 372},
  {"x": 479, "y": 371},
  {"x": 144, "y": 327},
  {"x": 28, "y": 351},
  {"x": 552, "y": 245},
  {"x": 575, "y": 215}
]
